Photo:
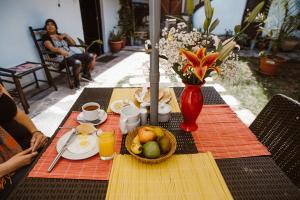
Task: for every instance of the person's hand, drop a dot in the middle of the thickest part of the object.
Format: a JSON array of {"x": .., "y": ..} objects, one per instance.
[
  {"x": 63, "y": 52},
  {"x": 63, "y": 36},
  {"x": 38, "y": 140},
  {"x": 21, "y": 159}
]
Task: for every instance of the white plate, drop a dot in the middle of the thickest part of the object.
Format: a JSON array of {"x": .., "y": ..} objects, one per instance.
[
  {"x": 102, "y": 118},
  {"x": 114, "y": 108},
  {"x": 82, "y": 153}
]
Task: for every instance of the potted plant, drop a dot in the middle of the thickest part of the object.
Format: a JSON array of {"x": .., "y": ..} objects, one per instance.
[
  {"x": 242, "y": 40},
  {"x": 115, "y": 41},
  {"x": 126, "y": 21},
  {"x": 289, "y": 42},
  {"x": 88, "y": 47},
  {"x": 262, "y": 43},
  {"x": 269, "y": 65},
  {"x": 270, "y": 62},
  {"x": 124, "y": 40},
  {"x": 194, "y": 55},
  {"x": 291, "y": 22}
]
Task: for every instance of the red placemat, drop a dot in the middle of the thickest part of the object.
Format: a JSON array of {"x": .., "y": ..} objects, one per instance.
[
  {"x": 92, "y": 168},
  {"x": 221, "y": 132}
]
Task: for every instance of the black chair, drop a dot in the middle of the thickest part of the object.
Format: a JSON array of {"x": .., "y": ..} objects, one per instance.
[
  {"x": 13, "y": 75},
  {"x": 278, "y": 127},
  {"x": 45, "y": 55}
]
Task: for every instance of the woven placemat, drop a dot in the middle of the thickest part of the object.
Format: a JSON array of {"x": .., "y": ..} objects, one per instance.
[
  {"x": 41, "y": 188},
  {"x": 185, "y": 176},
  {"x": 99, "y": 95},
  {"x": 173, "y": 123},
  {"x": 92, "y": 168},
  {"x": 211, "y": 96},
  {"x": 185, "y": 143},
  {"x": 256, "y": 178}
]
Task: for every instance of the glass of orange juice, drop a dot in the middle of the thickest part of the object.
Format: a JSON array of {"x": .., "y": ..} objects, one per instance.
[{"x": 106, "y": 141}]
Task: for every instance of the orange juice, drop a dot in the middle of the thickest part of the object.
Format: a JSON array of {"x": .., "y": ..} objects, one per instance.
[{"x": 106, "y": 145}]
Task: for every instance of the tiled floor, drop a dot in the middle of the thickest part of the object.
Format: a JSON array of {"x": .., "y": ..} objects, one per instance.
[{"x": 128, "y": 69}]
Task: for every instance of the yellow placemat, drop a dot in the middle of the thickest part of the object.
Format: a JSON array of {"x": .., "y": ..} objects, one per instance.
[
  {"x": 188, "y": 176},
  {"x": 128, "y": 93}
]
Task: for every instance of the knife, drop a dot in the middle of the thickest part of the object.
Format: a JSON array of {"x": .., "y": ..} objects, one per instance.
[{"x": 62, "y": 150}]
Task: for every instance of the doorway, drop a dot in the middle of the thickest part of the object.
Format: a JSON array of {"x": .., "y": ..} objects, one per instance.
[{"x": 91, "y": 23}]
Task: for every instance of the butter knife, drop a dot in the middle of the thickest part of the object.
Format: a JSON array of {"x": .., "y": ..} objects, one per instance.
[{"x": 62, "y": 150}]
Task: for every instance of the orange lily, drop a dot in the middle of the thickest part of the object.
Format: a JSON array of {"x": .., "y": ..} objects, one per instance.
[{"x": 200, "y": 62}]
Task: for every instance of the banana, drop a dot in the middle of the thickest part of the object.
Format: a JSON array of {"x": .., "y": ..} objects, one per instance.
[
  {"x": 136, "y": 140},
  {"x": 136, "y": 148}
]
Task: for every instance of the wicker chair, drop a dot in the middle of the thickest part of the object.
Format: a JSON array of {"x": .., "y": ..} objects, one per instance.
[
  {"x": 45, "y": 55},
  {"x": 278, "y": 127}
]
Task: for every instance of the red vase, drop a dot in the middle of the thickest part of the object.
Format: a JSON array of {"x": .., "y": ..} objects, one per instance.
[{"x": 191, "y": 106}]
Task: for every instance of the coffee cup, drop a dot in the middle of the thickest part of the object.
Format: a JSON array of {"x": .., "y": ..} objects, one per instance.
[
  {"x": 91, "y": 111},
  {"x": 129, "y": 118}
]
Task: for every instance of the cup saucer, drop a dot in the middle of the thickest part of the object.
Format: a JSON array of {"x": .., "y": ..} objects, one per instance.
[{"x": 102, "y": 118}]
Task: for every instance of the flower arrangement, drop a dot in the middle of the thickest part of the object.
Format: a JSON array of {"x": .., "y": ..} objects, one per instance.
[{"x": 194, "y": 55}]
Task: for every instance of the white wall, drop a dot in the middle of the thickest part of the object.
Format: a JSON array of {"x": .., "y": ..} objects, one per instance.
[
  {"x": 229, "y": 12},
  {"x": 16, "y": 44},
  {"x": 110, "y": 18}
]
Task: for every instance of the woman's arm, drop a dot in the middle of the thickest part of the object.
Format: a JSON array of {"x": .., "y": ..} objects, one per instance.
[
  {"x": 17, "y": 161},
  {"x": 38, "y": 138},
  {"x": 68, "y": 38}
]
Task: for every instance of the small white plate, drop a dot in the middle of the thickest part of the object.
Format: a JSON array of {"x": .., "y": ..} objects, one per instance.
[
  {"x": 81, "y": 153},
  {"x": 117, "y": 109},
  {"x": 102, "y": 118}
]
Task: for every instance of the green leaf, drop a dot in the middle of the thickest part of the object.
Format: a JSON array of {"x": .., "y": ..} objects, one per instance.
[
  {"x": 237, "y": 29},
  {"x": 214, "y": 25},
  {"x": 208, "y": 9},
  {"x": 93, "y": 42},
  {"x": 190, "y": 7},
  {"x": 255, "y": 12},
  {"x": 205, "y": 25},
  {"x": 226, "y": 50},
  {"x": 212, "y": 13}
]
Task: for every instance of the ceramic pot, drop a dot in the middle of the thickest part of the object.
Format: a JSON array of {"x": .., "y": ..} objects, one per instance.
[
  {"x": 115, "y": 47},
  {"x": 270, "y": 65}
]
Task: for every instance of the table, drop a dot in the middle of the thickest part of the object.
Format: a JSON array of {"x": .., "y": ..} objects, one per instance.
[
  {"x": 17, "y": 72},
  {"x": 247, "y": 178}
]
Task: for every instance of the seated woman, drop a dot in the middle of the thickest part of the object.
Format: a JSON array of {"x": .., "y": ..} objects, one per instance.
[
  {"x": 19, "y": 142},
  {"x": 59, "y": 43}
]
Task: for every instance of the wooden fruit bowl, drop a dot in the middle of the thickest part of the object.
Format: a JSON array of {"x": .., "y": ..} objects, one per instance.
[{"x": 134, "y": 132}]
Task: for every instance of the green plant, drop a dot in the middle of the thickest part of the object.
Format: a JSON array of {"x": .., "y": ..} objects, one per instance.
[
  {"x": 126, "y": 19},
  {"x": 282, "y": 26},
  {"x": 194, "y": 55},
  {"x": 115, "y": 36},
  {"x": 242, "y": 39},
  {"x": 82, "y": 43}
]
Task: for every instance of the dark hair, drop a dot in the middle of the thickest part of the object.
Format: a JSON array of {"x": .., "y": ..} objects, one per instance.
[{"x": 50, "y": 20}]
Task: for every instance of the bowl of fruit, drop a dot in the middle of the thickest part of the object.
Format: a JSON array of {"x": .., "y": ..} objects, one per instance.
[{"x": 150, "y": 144}]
